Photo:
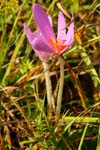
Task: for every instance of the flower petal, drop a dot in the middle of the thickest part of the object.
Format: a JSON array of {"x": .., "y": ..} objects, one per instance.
[
  {"x": 43, "y": 23},
  {"x": 36, "y": 40},
  {"x": 39, "y": 44},
  {"x": 70, "y": 34},
  {"x": 61, "y": 27},
  {"x": 50, "y": 20},
  {"x": 69, "y": 37},
  {"x": 30, "y": 35},
  {"x": 42, "y": 55},
  {"x": 41, "y": 49}
]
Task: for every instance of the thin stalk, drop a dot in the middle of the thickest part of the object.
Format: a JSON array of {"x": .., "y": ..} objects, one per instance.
[
  {"x": 83, "y": 136},
  {"x": 93, "y": 40},
  {"x": 98, "y": 140},
  {"x": 82, "y": 119},
  {"x": 50, "y": 99},
  {"x": 61, "y": 84},
  {"x": 78, "y": 86},
  {"x": 6, "y": 47},
  {"x": 25, "y": 118},
  {"x": 51, "y": 5},
  {"x": 88, "y": 62},
  {"x": 93, "y": 73}
]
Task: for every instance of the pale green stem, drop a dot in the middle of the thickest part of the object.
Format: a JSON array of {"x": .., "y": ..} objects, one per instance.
[
  {"x": 61, "y": 84},
  {"x": 50, "y": 100}
]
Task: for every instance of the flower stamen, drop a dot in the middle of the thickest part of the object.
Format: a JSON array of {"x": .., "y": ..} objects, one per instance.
[{"x": 58, "y": 45}]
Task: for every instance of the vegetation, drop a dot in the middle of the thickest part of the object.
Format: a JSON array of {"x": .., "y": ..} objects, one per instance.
[{"x": 25, "y": 123}]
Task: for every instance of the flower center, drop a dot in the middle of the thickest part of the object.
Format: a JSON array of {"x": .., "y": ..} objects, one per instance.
[{"x": 57, "y": 45}]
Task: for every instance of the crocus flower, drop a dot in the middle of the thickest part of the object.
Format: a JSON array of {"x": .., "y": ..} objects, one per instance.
[{"x": 43, "y": 41}]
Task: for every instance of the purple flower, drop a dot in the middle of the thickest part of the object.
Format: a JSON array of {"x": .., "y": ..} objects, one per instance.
[{"x": 44, "y": 41}]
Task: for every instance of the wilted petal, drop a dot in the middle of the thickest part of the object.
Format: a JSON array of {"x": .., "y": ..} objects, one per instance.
[
  {"x": 61, "y": 27},
  {"x": 43, "y": 23}
]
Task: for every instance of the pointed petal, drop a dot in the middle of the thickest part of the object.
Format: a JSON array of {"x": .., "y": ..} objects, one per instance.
[
  {"x": 61, "y": 27},
  {"x": 70, "y": 34},
  {"x": 35, "y": 39},
  {"x": 43, "y": 23},
  {"x": 50, "y": 20},
  {"x": 69, "y": 37},
  {"x": 30, "y": 35}
]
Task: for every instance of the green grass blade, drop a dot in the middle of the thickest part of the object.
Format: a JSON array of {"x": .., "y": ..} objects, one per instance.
[
  {"x": 17, "y": 48},
  {"x": 82, "y": 138},
  {"x": 93, "y": 73},
  {"x": 98, "y": 142}
]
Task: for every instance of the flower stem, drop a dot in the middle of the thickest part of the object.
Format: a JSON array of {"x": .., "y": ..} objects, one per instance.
[
  {"x": 50, "y": 99},
  {"x": 61, "y": 84}
]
